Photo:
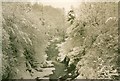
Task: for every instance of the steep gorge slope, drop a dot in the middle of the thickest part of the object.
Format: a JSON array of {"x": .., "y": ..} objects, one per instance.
[
  {"x": 26, "y": 31},
  {"x": 92, "y": 42}
]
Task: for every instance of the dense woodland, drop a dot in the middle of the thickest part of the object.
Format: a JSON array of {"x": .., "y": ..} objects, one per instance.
[{"x": 80, "y": 45}]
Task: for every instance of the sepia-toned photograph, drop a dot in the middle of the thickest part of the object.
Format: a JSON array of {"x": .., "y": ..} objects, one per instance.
[{"x": 60, "y": 40}]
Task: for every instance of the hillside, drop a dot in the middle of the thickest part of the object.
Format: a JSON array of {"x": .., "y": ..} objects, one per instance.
[{"x": 27, "y": 29}]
